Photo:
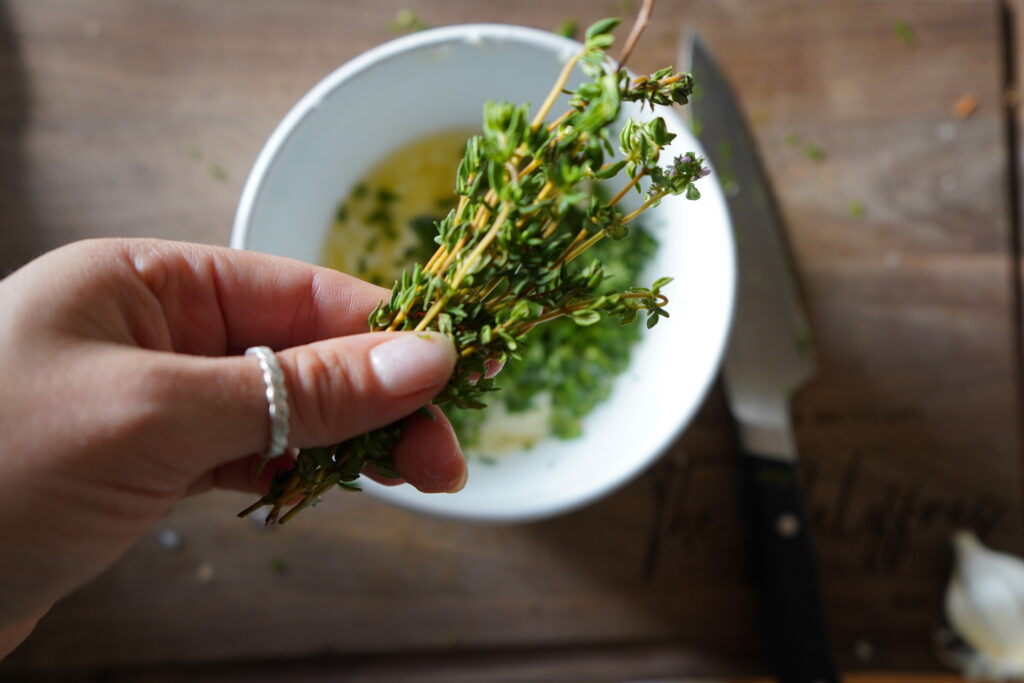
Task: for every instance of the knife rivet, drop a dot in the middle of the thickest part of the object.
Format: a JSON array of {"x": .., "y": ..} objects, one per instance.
[{"x": 787, "y": 525}]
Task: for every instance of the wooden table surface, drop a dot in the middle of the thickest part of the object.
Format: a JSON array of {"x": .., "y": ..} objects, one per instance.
[{"x": 121, "y": 117}]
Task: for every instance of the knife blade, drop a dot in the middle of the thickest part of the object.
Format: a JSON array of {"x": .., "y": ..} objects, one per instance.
[{"x": 770, "y": 355}]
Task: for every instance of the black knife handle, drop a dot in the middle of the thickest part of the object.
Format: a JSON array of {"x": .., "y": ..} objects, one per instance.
[{"x": 785, "y": 564}]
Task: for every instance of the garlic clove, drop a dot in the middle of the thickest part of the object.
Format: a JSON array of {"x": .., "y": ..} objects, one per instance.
[
  {"x": 965, "y": 618},
  {"x": 985, "y": 602}
]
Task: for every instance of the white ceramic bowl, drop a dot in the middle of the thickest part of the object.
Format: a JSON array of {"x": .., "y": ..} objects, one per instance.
[{"x": 440, "y": 79}]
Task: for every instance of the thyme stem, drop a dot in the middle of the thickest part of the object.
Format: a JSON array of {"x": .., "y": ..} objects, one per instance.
[
  {"x": 464, "y": 269},
  {"x": 642, "y": 19},
  {"x": 556, "y": 90}
]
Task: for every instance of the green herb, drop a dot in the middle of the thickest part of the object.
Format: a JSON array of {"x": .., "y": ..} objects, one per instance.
[
  {"x": 568, "y": 28},
  {"x": 341, "y": 215},
  {"x": 506, "y": 260},
  {"x": 814, "y": 153},
  {"x": 407, "y": 21},
  {"x": 278, "y": 566},
  {"x": 904, "y": 32},
  {"x": 445, "y": 204},
  {"x": 810, "y": 150},
  {"x": 217, "y": 172},
  {"x": 424, "y": 230},
  {"x": 386, "y": 196},
  {"x": 857, "y": 209},
  {"x": 381, "y": 214},
  {"x": 584, "y": 359}
]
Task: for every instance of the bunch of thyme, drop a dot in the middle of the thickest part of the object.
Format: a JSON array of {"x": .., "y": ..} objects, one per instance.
[{"x": 506, "y": 260}]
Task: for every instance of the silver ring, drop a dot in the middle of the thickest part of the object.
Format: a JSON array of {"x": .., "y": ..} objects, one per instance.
[{"x": 277, "y": 399}]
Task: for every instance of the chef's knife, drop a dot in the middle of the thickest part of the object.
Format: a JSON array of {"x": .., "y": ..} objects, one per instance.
[{"x": 769, "y": 357}]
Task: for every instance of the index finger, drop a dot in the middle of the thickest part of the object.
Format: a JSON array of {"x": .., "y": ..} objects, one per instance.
[{"x": 218, "y": 300}]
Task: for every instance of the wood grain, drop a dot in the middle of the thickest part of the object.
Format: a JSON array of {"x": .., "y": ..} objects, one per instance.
[{"x": 115, "y": 117}]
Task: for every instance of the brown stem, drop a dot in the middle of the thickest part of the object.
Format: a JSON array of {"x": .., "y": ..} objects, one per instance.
[
  {"x": 463, "y": 201},
  {"x": 580, "y": 236},
  {"x": 629, "y": 186},
  {"x": 643, "y": 18},
  {"x": 560, "y": 120},
  {"x": 591, "y": 241},
  {"x": 643, "y": 207},
  {"x": 466, "y": 266},
  {"x": 273, "y": 514},
  {"x": 557, "y": 313},
  {"x": 262, "y": 502},
  {"x": 573, "y": 251},
  {"x": 310, "y": 498},
  {"x": 447, "y": 262},
  {"x": 569, "y": 310},
  {"x": 488, "y": 289},
  {"x": 441, "y": 252},
  {"x": 549, "y": 229},
  {"x": 556, "y": 90}
]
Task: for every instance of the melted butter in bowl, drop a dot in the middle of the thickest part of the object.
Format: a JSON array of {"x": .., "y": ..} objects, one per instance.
[{"x": 374, "y": 232}]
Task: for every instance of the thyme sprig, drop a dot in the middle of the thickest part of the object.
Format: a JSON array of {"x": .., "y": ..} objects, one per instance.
[{"x": 506, "y": 259}]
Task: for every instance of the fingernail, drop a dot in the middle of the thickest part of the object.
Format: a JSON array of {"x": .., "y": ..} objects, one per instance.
[
  {"x": 461, "y": 483},
  {"x": 413, "y": 362}
]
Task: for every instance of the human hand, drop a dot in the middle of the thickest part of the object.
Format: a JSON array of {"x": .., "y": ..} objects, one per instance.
[{"x": 122, "y": 391}]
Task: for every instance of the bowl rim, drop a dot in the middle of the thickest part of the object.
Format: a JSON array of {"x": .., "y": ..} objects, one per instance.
[
  {"x": 308, "y": 103},
  {"x": 288, "y": 126}
]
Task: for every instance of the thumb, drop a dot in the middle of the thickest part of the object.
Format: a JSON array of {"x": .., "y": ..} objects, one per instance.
[{"x": 337, "y": 389}]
